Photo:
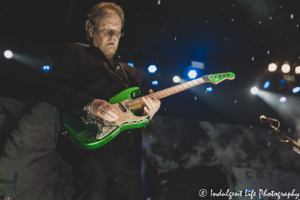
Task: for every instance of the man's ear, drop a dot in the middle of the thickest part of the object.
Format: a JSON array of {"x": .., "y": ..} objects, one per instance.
[{"x": 91, "y": 31}]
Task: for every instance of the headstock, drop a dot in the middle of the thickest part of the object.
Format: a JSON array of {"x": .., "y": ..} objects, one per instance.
[{"x": 217, "y": 78}]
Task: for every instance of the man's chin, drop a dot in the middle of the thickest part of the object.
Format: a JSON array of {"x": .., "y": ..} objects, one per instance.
[{"x": 111, "y": 50}]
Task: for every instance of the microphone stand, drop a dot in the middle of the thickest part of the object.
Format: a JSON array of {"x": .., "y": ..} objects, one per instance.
[{"x": 296, "y": 147}]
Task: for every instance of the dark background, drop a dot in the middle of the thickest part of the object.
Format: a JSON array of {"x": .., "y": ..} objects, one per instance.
[{"x": 241, "y": 36}]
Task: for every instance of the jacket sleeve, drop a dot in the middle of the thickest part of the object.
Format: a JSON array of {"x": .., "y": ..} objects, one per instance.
[{"x": 60, "y": 91}]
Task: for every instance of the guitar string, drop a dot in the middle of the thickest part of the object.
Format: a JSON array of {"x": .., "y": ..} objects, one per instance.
[
  {"x": 167, "y": 91},
  {"x": 138, "y": 101}
]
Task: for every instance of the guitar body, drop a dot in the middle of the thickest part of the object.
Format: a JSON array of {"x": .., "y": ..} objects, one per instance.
[{"x": 92, "y": 132}]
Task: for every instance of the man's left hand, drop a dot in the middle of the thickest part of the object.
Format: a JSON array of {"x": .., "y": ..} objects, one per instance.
[{"x": 152, "y": 104}]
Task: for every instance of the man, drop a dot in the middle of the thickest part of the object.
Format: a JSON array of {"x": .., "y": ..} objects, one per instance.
[{"x": 83, "y": 79}]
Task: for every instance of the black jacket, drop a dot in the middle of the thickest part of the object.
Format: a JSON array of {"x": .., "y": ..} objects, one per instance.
[{"x": 82, "y": 74}]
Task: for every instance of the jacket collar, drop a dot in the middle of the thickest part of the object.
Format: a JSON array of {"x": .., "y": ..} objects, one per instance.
[{"x": 99, "y": 55}]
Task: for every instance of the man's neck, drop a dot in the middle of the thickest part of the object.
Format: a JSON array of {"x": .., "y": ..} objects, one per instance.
[{"x": 110, "y": 59}]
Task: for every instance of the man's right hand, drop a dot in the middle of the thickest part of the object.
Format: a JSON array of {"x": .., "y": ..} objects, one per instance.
[{"x": 104, "y": 110}]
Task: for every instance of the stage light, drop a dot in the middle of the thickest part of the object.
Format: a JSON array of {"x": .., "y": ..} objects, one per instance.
[
  {"x": 8, "y": 54},
  {"x": 131, "y": 64},
  {"x": 192, "y": 73},
  {"x": 267, "y": 84},
  {"x": 209, "y": 89},
  {"x": 272, "y": 67},
  {"x": 196, "y": 64},
  {"x": 282, "y": 81},
  {"x": 254, "y": 90},
  {"x": 176, "y": 79},
  {"x": 282, "y": 99},
  {"x": 297, "y": 70},
  {"x": 296, "y": 89},
  {"x": 152, "y": 68},
  {"x": 154, "y": 83},
  {"x": 285, "y": 68},
  {"x": 46, "y": 68}
]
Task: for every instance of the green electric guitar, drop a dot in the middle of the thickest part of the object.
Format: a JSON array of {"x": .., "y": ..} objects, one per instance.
[{"x": 91, "y": 132}]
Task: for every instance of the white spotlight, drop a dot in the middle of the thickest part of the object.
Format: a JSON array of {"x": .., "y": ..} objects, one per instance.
[
  {"x": 282, "y": 99},
  {"x": 272, "y": 67},
  {"x": 192, "y": 74},
  {"x": 8, "y": 54},
  {"x": 297, "y": 70},
  {"x": 176, "y": 79},
  {"x": 285, "y": 68},
  {"x": 254, "y": 90},
  {"x": 152, "y": 68}
]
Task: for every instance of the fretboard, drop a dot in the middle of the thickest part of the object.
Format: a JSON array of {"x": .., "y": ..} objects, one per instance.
[{"x": 139, "y": 103}]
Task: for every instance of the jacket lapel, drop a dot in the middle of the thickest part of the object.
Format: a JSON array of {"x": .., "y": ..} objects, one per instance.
[{"x": 104, "y": 64}]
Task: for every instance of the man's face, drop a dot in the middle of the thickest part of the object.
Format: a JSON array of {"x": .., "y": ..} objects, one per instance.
[{"x": 107, "y": 32}]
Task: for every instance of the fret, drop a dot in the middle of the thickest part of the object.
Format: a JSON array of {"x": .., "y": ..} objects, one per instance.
[
  {"x": 139, "y": 101},
  {"x": 173, "y": 90},
  {"x": 184, "y": 86},
  {"x": 153, "y": 94},
  {"x": 161, "y": 94},
  {"x": 127, "y": 105},
  {"x": 131, "y": 104},
  {"x": 165, "y": 91},
  {"x": 194, "y": 83},
  {"x": 187, "y": 83},
  {"x": 178, "y": 88},
  {"x": 158, "y": 95},
  {"x": 135, "y": 103},
  {"x": 170, "y": 91},
  {"x": 198, "y": 81}
]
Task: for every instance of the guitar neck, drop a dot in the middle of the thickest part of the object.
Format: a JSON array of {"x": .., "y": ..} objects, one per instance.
[
  {"x": 213, "y": 78},
  {"x": 139, "y": 103}
]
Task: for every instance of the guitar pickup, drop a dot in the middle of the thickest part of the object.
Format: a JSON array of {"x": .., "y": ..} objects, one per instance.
[{"x": 122, "y": 107}]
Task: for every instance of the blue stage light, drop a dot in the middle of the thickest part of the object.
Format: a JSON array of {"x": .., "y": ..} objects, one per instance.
[
  {"x": 152, "y": 68},
  {"x": 267, "y": 84},
  {"x": 192, "y": 73},
  {"x": 154, "y": 83},
  {"x": 209, "y": 89},
  {"x": 282, "y": 81},
  {"x": 131, "y": 64},
  {"x": 296, "y": 89},
  {"x": 46, "y": 68}
]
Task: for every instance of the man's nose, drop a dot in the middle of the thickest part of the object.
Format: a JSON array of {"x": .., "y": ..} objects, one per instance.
[{"x": 113, "y": 33}]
